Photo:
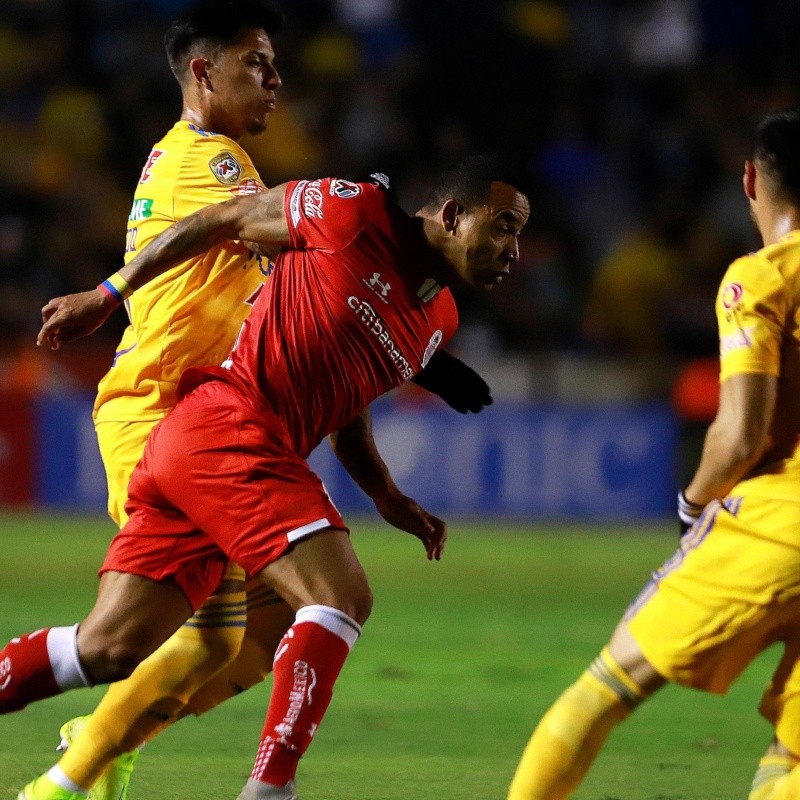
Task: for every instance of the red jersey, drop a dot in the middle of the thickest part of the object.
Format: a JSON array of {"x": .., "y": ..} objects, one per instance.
[{"x": 350, "y": 312}]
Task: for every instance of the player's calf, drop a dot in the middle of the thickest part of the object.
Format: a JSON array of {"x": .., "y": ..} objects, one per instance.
[
  {"x": 268, "y": 619},
  {"x": 307, "y": 664},
  {"x": 39, "y": 665},
  {"x": 571, "y": 733}
]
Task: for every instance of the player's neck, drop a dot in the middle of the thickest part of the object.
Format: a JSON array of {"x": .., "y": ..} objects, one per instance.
[
  {"x": 205, "y": 122},
  {"x": 783, "y": 220},
  {"x": 436, "y": 246}
]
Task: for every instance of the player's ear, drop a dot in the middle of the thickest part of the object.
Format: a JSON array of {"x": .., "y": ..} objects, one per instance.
[
  {"x": 198, "y": 69},
  {"x": 749, "y": 180},
  {"x": 449, "y": 214}
]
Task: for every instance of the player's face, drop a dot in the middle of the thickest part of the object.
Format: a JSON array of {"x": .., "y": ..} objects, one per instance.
[
  {"x": 244, "y": 82},
  {"x": 489, "y": 235}
]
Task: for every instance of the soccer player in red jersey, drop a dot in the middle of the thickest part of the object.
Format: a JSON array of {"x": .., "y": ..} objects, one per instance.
[{"x": 358, "y": 304}]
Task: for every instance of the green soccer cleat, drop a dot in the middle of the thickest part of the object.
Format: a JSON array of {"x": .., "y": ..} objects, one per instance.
[
  {"x": 44, "y": 789},
  {"x": 113, "y": 783}
]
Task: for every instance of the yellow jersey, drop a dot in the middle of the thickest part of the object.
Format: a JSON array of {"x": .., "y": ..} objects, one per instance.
[
  {"x": 758, "y": 311},
  {"x": 190, "y": 315}
]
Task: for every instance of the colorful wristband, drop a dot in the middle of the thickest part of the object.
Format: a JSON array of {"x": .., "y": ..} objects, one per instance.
[
  {"x": 688, "y": 512},
  {"x": 116, "y": 287}
]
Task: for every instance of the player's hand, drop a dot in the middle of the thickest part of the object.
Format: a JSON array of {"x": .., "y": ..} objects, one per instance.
[
  {"x": 269, "y": 250},
  {"x": 688, "y": 512},
  {"x": 407, "y": 515},
  {"x": 456, "y": 383},
  {"x": 72, "y": 317}
]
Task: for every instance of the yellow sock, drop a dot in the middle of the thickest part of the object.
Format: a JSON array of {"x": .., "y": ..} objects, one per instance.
[
  {"x": 787, "y": 787},
  {"x": 571, "y": 733},
  {"x": 136, "y": 709},
  {"x": 771, "y": 769},
  {"x": 268, "y": 619}
]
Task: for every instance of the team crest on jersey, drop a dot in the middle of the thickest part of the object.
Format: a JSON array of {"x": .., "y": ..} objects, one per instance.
[
  {"x": 344, "y": 189},
  {"x": 226, "y": 168},
  {"x": 731, "y": 295},
  {"x": 435, "y": 341},
  {"x": 248, "y": 186}
]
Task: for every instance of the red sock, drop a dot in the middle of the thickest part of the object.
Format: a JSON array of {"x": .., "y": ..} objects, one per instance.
[
  {"x": 25, "y": 672},
  {"x": 307, "y": 664}
]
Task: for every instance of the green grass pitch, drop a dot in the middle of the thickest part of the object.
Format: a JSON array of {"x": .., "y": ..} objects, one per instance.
[{"x": 457, "y": 663}]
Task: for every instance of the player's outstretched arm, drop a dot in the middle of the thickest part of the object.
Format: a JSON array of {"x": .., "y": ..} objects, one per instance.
[
  {"x": 355, "y": 447},
  {"x": 256, "y": 218}
]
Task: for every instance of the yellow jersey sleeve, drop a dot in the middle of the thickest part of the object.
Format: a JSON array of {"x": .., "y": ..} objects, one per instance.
[{"x": 752, "y": 309}]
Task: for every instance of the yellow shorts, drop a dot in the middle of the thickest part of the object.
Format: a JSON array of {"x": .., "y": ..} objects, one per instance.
[
  {"x": 728, "y": 593},
  {"x": 121, "y": 447}
]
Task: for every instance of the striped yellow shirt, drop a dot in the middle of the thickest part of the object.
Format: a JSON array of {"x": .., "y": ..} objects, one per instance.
[
  {"x": 190, "y": 315},
  {"x": 758, "y": 311}
]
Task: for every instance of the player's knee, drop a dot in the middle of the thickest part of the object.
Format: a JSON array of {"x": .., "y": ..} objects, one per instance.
[
  {"x": 357, "y": 603},
  {"x": 107, "y": 659}
]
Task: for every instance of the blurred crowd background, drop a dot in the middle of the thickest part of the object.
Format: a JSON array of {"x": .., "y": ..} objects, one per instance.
[{"x": 630, "y": 121}]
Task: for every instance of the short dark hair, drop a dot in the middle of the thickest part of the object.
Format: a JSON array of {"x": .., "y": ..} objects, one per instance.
[
  {"x": 469, "y": 181},
  {"x": 217, "y": 22},
  {"x": 777, "y": 150}
]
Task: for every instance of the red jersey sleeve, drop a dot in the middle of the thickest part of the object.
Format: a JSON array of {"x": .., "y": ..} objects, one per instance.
[{"x": 328, "y": 214}]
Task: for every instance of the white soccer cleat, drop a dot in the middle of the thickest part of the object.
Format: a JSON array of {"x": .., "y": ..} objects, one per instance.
[{"x": 257, "y": 790}]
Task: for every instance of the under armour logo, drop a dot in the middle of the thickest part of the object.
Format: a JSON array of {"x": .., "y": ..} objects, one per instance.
[{"x": 380, "y": 288}]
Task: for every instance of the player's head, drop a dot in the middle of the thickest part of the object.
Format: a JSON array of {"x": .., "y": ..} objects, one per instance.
[
  {"x": 474, "y": 215},
  {"x": 222, "y": 55},
  {"x": 773, "y": 177}
]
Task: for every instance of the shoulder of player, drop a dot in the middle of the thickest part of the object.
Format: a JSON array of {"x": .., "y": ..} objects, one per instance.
[
  {"x": 757, "y": 267},
  {"x": 356, "y": 194},
  {"x": 357, "y": 206},
  {"x": 224, "y": 159},
  {"x": 201, "y": 157},
  {"x": 755, "y": 279}
]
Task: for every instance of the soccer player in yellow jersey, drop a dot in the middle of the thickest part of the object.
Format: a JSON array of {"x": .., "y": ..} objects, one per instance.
[{"x": 733, "y": 587}]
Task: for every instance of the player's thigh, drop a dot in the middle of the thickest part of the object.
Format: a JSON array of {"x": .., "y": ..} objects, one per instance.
[
  {"x": 709, "y": 610},
  {"x": 322, "y": 569},
  {"x": 626, "y": 652},
  {"x": 121, "y": 446}
]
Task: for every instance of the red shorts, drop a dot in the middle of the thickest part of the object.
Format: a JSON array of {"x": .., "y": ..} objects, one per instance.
[{"x": 218, "y": 482}]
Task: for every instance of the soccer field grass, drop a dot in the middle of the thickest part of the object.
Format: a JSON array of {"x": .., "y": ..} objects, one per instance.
[{"x": 455, "y": 666}]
